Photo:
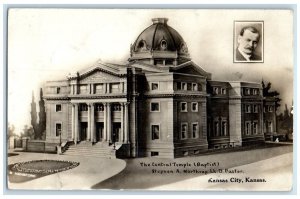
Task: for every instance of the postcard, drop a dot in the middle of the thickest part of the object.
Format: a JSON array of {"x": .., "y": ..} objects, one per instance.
[{"x": 150, "y": 99}]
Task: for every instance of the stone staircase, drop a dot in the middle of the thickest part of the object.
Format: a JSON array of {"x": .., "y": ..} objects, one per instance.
[{"x": 87, "y": 149}]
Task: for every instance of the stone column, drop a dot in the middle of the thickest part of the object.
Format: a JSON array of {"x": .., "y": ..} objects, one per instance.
[
  {"x": 76, "y": 124},
  {"x": 122, "y": 123},
  {"x": 93, "y": 128},
  {"x": 126, "y": 122},
  {"x": 105, "y": 122},
  {"x": 109, "y": 122},
  {"x": 73, "y": 121},
  {"x": 88, "y": 135}
]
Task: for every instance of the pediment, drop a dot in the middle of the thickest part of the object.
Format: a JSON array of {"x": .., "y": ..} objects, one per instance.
[
  {"x": 99, "y": 76},
  {"x": 191, "y": 68}
]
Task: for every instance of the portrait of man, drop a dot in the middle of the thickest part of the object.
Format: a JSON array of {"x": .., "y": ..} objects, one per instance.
[{"x": 248, "y": 42}]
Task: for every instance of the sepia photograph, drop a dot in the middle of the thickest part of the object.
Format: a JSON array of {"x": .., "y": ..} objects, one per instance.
[
  {"x": 248, "y": 41},
  {"x": 150, "y": 99}
]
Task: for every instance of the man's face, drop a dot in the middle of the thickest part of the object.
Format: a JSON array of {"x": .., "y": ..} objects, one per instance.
[{"x": 248, "y": 42}]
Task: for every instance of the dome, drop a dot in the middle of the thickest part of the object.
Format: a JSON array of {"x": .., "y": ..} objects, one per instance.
[{"x": 159, "y": 41}]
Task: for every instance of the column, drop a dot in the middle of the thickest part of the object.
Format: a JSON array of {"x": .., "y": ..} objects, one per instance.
[
  {"x": 93, "y": 128},
  {"x": 122, "y": 123},
  {"x": 73, "y": 121},
  {"x": 88, "y": 135},
  {"x": 76, "y": 124},
  {"x": 109, "y": 122},
  {"x": 126, "y": 122},
  {"x": 105, "y": 122}
]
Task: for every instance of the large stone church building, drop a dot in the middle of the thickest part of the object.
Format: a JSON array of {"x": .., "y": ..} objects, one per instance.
[{"x": 160, "y": 103}]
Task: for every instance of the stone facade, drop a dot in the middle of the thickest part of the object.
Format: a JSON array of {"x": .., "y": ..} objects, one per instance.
[{"x": 158, "y": 104}]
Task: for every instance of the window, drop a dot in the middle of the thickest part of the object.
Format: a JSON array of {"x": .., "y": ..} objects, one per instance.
[
  {"x": 58, "y": 129},
  {"x": 247, "y": 108},
  {"x": 99, "y": 107},
  {"x": 247, "y": 91},
  {"x": 224, "y": 128},
  {"x": 270, "y": 108},
  {"x": 116, "y": 107},
  {"x": 189, "y": 86},
  {"x": 270, "y": 126},
  {"x": 216, "y": 125},
  {"x": 183, "y": 86},
  {"x": 254, "y": 129},
  {"x": 255, "y": 91},
  {"x": 58, "y": 107},
  {"x": 194, "y": 87},
  {"x": 155, "y": 132},
  {"x": 115, "y": 87},
  {"x": 183, "y": 106},
  {"x": 83, "y": 107},
  {"x": 154, "y": 86},
  {"x": 154, "y": 106},
  {"x": 184, "y": 131},
  {"x": 216, "y": 90},
  {"x": 200, "y": 87},
  {"x": 163, "y": 44},
  {"x": 58, "y": 90},
  {"x": 154, "y": 153},
  {"x": 194, "y": 106},
  {"x": 223, "y": 91},
  {"x": 247, "y": 128},
  {"x": 255, "y": 108},
  {"x": 195, "y": 130},
  {"x": 178, "y": 85}
]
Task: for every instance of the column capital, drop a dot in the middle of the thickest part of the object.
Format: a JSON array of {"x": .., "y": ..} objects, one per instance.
[{"x": 126, "y": 103}]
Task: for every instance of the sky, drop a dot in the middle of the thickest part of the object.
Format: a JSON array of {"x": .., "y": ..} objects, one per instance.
[{"x": 48, "y": 44}]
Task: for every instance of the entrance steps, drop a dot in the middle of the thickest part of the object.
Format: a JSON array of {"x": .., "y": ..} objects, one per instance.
[{"x": 87, "y": 149}]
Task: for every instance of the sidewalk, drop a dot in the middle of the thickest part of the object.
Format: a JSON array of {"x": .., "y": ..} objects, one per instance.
[{"x": 89, "y": 172}]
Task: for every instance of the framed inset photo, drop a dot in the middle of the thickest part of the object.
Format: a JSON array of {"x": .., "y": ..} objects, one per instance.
[{"x": 248, "y": 42}]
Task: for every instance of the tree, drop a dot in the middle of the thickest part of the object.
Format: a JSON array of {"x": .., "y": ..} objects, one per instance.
[
  {"x": 42, "y": 117},
  {"x": 271, "y": 94},
  {"x": 10, "y": 130},
  {"x": 28, "y": 132},
  {"x": 33, "y": 115}
]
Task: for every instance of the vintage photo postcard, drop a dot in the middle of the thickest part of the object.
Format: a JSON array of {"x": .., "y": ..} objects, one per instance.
[{"x": 150, "y": 99}]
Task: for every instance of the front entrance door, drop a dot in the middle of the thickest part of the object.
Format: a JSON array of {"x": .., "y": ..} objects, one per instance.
[
  {"x": 99, "y": 131},
  {"x": 83, "y": 131},
  {"x": 116, "y": 131}
]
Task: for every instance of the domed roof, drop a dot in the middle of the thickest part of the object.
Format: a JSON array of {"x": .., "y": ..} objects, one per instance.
[{"x": 160, "y": 37}]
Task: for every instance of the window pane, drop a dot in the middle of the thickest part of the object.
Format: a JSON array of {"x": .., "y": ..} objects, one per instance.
[
  {"x": 154, "y": 86},
  {"x": 155, "y": 106},
  {"x": 155, "y": 132}
]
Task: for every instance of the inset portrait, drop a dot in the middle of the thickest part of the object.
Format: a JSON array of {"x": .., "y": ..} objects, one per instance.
[{"x": 248, "y": 42}]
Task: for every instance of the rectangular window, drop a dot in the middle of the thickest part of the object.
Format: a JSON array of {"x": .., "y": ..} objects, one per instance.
[
  {"x": 183, "y": 106},
  {"x": 58, "y": 90},
  {"x": 154, "y": 106},
  {"x": 83, "y": 107},
  {"x": 255, "y": 91},
  {"x": 254, "y": 129},
  {"x": 195, "y": 132},
  {"x": 116, "y": 107},
  {"x": 224, "y": 128},
  {"x": 195, "y": 87},
  {"x": 270, "y": 127},
  {"x": 183, "y": 86},
  {"x": 194, "y": 106},
  {"x": 200, "y": 87},
  {"x": 58, "y": 129},
  {"x": 178, "y": 85},
  {"x": 247, "y": 108},
  {"x": 154, "y": 86},
  {"x": 184, "y": 130},
  {"x": 255, "y": 108},
  {"x": 115, "y": 87},
  {"x": 247, "y": 91},
  {"x": 83, "y": 89},
  {"x": 154, "y": 153},
  {"x": 99, "y": 107},
  {"x": 247, "y": 128},
  {"x": 216, "y": 90},
  {"x": 58, "y": 108},
  {"x": 270, "y": 108},
  {"x": 189, "y": 86},
  {"x": 216, "y": 128},
  {"x": 223, "y": 91},
  {"x": 155, "y": 132}
]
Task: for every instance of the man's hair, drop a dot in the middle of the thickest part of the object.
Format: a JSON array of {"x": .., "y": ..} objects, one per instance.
[{"x": 251, "y": 29}]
